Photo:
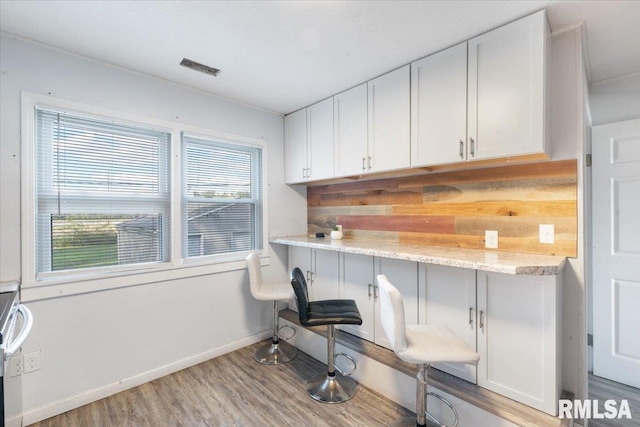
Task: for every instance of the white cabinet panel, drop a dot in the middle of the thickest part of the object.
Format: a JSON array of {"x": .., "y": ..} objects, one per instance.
[
  {"x": 450, "y": 300},
  {"x": 389, "y": 118},
  {"x": 439, "y": 107},
  {"x": 350, "y": 131},
  {"x": 320, "y": 140},
  {"x": 325, "y": 280},
  {"x": 357, "y": 284},
  {"x": 518, "y": 328},
  {"x": 507, "y": 89},
  {"x": 308, "y": 143},
  {"x": 295, "y": 147}
]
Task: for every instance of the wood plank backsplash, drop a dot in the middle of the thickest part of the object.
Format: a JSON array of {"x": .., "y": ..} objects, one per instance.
[{"x": 455, "y": 208}]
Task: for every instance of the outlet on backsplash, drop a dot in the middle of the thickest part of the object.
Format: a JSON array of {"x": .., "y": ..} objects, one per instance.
[{"x": 491, "y": 239}]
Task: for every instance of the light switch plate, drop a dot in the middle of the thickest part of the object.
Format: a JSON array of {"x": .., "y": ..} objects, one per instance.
[{"x": 547, "y": 234}]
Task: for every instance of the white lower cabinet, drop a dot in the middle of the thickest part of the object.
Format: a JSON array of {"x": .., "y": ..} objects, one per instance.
[
  {"x": 320, "y": 269},
  {"x": 449, "y": 299},
  {"x": 358, "y": 284},
  {"x": 518, "y": 338}
]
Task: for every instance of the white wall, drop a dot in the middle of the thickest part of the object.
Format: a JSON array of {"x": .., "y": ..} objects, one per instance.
[
  {"x": 97, "y": 343},
  {"x": 615, "y": 100}
]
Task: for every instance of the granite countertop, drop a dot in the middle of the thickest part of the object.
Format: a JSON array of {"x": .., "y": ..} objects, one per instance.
[{"x": 493, "y": 261}]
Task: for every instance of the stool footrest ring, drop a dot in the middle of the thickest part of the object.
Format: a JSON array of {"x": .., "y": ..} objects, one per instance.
[
  {"x": 446, "y": 402},
  {"x": 349, "y": 373},
  {"x": 287, "y": 338}
]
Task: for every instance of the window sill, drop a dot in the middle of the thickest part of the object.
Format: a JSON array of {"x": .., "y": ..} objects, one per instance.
[{"x": 76, "y": 285}]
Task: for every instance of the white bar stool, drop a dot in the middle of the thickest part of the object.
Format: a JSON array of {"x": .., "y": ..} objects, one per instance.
[
  {"x": 275, "y": 353},
  {"x": 422, "y": 345}
]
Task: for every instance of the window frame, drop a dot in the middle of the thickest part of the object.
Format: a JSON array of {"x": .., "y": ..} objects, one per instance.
[{"x": 70, "y": 282}]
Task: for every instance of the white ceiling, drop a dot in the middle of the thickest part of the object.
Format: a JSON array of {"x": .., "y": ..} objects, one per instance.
[{"x": 284, "y": 55}]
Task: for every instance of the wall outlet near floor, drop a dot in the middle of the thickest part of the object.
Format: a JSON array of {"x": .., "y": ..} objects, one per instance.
[
  {"x": 547, "y": 234},
  {"x": 491, "y": 239},
  {"x": 31, "y": 361},
  {"x": 15, "y": 366}
]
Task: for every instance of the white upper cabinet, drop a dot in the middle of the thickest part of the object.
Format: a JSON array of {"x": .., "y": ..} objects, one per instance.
[
  {"x": 507, "y": 90},
  {"x": 350, "y": 131},
  {"x": 439, "y": 107},
  {"x": 389, "y": 121},
  {"x": 295, "y": 147},
  {"x": 309, "y": 143}
]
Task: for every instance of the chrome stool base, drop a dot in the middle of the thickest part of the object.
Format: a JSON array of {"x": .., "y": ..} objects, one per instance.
[
  {"x": 410, "y": 422},
  {"x": 275, "y": 354},
  {"x": 332, "y": 389}
]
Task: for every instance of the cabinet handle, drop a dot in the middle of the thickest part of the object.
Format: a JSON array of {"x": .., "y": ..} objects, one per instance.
[
  {"x": 369, "y": 162},
  {"x": 364, "y": 159},
  {"x": 461, "y": 149},
  {"x": 471, "y": 315},
  {"x": 308, "y": 173},
  {"x": 304, "y": 174},
  {"x": 473, "y": 147},
  {"x": 375, "y": 292},
  {"x": 482, "y": 320},
  {"x": 309, "y": 277},
  {"x": 369, "y": 290}
]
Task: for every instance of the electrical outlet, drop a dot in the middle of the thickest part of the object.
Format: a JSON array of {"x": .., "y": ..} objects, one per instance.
[
  {"x": 547, "y": 234},
  {"x": 15, "y": 366},
  {"x": 491, "y": 239},
  {"x": 31, "y": 361}
]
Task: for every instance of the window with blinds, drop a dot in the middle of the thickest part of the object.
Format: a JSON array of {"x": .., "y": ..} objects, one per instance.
[
  {"x": 103, "y": 193},
  {"x": 222, "y": 197}
]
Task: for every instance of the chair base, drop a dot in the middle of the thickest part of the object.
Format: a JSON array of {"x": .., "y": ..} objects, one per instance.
[
  {"x": 275, "y": 354},
  {"x": 410, "y": 422},
  {"x": 331, "y": 389}
]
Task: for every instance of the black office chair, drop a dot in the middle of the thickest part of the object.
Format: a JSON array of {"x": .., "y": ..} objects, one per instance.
[{"x": 329, "y": 387}]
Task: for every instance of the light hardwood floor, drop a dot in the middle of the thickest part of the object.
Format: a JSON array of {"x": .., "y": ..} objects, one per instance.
[
  {"x": 603, "y": 389},
  {"x": 232, "y": 390}
]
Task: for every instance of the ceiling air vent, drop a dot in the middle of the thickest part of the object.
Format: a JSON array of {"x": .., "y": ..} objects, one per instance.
[{"x": 199, "y": 67}]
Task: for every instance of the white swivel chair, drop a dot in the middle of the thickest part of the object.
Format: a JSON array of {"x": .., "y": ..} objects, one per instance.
[
  {"x": 422, "y": 345},
  {"x": 276, "y": 352}
]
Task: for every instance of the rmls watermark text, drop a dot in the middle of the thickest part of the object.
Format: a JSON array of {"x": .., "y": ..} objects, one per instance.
[{"x": 594, "y": 409}]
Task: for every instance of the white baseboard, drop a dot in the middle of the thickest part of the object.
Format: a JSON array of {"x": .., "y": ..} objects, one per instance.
[{"x": 89, "y": 396}]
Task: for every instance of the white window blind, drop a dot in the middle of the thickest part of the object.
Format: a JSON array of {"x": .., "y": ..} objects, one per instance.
[
  {"x": 222, "y": 197},
  {"x": 103, "y": 193}
]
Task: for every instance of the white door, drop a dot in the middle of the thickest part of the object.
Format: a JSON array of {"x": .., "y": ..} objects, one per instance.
[
  {"x": 325, "y": 280},
  {"x": 616, "y": 251},
  {"x": 506, "y": 89},
  {"x": 450, "y": 300},
  {"x": 295, "y": 147},
  {"x": 389, "y": 121},
  {"x": 439, "y": 107},
  {"x": 358, "y": 283},
  {"x": 320, "y": 140},
  {"x": 350, "y": 131}
]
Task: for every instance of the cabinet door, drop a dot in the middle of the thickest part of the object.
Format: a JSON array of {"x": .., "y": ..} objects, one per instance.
[
  {"x": 506, "y": 89},
  {"x": 357, "y": 284},
  {"x": 325, "y": 280},
  {"x": 439, "y": 107},
  {"x": 389, "y": 117},
  {"x": 404, "y": 276},
  {"x": 518, "y": 329},
  {"x": 450, "y": 300},
  {"x": 295, "y": 147},
  {"x": 320, "y": 140},
  {"x": 350, "y": 131}
]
